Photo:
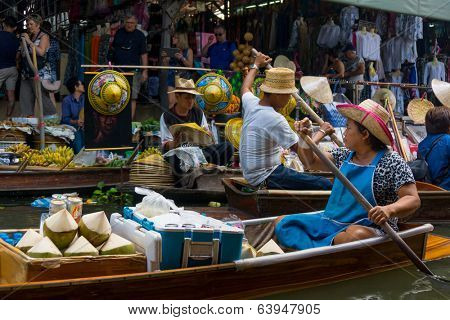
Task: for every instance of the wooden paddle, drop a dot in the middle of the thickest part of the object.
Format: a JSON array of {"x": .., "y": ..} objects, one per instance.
[
  {"x": 133, "y": 155},
  {"x": 367, "y": 206},
  {"x": 398, "y": 137},
  {"x": 308, "y": 109}
]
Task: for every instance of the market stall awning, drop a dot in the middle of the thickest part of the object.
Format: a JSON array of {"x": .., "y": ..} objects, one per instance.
[{"x": 433, "y": 9}]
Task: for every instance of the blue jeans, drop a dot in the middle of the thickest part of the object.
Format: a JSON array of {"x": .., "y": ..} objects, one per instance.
[
  {"x": 288, "y": 179},
  {"x": 78, "y": 142}
]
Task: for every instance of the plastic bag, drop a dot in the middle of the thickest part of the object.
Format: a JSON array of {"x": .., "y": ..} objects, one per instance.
[
  {"x": 153, "y": 203},
  {"x": 293, "y": 162},
  {"x": 190, "y": 157}
]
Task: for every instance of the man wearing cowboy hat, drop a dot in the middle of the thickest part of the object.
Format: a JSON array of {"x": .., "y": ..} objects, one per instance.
[
  {"x": 266, "y": 133},
  {"x": 184, "y": 111}
]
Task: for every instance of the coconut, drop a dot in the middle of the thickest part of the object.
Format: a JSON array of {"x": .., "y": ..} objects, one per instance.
[
  {"x": 29, "y": 240},
  {"x": 44, "y": 249},
  {"x": 117, "y": 245},
  {"x": 95, "y": 228},
  {"x": 81, "y": 247},
  {"x": 61, "y": 228}
]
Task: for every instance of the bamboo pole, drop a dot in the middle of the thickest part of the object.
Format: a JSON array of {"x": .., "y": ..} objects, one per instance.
[
  {"x": 397, "y": 135},
  {"x": 37, "y": 83}
]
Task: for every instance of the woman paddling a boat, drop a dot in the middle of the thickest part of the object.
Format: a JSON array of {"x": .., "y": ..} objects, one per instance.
[{"x": 382, "y": 177}]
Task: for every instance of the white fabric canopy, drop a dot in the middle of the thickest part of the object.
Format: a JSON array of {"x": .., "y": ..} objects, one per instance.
[{"x": 433, "y": 9}]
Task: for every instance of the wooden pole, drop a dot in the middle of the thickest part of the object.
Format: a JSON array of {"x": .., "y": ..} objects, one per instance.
[
  {"x": 397, "y": 135},
  {"x": 37, "y": 83},
  {"x": 367, "y": 206},
  {"x": 308, "y": 109}
]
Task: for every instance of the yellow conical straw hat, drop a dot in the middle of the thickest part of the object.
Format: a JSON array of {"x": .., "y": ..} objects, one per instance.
[
  {"x": 417, "y": 110},
  {"x": 442, "y": 91},
  {"x": 233, "y": 131}
]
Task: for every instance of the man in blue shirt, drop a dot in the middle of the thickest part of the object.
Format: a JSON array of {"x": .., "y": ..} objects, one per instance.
[
  {"x": 71, "y": 107},
  {"x": 8, "y": 58},
  {"x": 221, "y": 52},
  {"x": 129, "y": 48}
]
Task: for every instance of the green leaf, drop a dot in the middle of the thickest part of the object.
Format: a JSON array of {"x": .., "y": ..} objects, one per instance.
[
  {"x": 113, "y": 190},
  {"x": 101, "y": 185},
  {"x": 98, "y": 192}
]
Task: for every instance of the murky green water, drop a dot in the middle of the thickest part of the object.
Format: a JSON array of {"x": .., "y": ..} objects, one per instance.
[{"x": 405, "y": 283}]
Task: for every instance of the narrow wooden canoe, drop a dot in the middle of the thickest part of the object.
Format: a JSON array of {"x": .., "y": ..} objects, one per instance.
[
  {"x": 49, "y": 181},
  {"x": 244, "y": 278},
  {"x": 265, "y": 203}
]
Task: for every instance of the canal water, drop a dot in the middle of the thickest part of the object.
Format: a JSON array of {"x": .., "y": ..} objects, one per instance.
[{"x": 406, "y": 283}]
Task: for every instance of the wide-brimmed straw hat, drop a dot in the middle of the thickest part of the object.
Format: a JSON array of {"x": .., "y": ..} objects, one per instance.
[
  {"x": 383, "y": 94},
  {"x": 279, "y": 80},
  {"x": 442, "y": 91},
  {"x": 417, "y": 110},
  {"x": 185, "y": 86},
  {"x": 317, "y": 88},
  {"x": 372, "y": 116}
]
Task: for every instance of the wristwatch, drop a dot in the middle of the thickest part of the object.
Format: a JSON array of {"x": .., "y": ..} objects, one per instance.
[{"x": 253, "y": 66}]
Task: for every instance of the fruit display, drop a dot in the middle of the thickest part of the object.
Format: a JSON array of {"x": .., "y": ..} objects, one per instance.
[
  {"x": 234, "y": 106},
  {"x": 20, "y": 149},
  {"x": 116, "y": 163},
  {"x": 149, "y": 152},
  {"x": 62, "y": 236},
  {"x": 43, "y": 158},
  {"x": 243, "y": 55}
]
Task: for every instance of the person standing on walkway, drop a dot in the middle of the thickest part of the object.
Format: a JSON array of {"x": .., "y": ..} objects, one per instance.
[
  {"x": 220, "y": 52},
  {"x": 130, "y": 48},
  {"x": 8, "y": 61},
  {"x": 71, "y": 108},
  {"x": 40, "y": 41}
]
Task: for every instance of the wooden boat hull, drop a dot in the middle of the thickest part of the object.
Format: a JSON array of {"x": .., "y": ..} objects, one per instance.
[
  {"x": 50, "y": 181},
  {"x": 266, "y": 203},
  {"x": 241, "y": 279}
]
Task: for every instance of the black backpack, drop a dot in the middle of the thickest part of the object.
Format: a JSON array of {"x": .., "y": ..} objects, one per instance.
[{"x": 419, "y": 167}]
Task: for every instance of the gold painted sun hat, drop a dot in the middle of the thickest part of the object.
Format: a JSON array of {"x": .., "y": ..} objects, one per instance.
[
  {"x": 417, "y": 110},
  {"x": 317, "y": 88},
  {"x": 279, "y": 80},
  {"x": 216, "y": 93},
  {"x": 233, "y": 130},
  {"x": 185, "y": 86},
  {"x": 372, "y": 116},
  {"x": 442, "y": 91},
  {"x": 109, "y": 92}
]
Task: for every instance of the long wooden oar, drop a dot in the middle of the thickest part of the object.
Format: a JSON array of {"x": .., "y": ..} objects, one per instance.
[
  {"x": 308, "y": 109},
  {"x": 366, "y": 205},
  {"x": 133, "y": 155},
  {"x": 397, "y": 135}
]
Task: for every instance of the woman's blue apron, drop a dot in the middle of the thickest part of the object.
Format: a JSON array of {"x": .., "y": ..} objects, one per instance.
[{"x": 303, "y": 231}]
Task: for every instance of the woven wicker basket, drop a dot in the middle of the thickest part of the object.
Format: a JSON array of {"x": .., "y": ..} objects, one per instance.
[{"x": 49, "y": 140}]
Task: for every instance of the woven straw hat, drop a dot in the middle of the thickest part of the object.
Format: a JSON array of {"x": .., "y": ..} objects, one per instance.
[
  {"x": 442, "y": 91},
  {"x": 279, "y": 80},
  {"x": 233, "y": 131},
  {"x": 317, "y": 88},
  {"x": 372, "y": 116},
  {"x": 192, "y": 133},
  {"x": 417, "y": 110},
  {"x": 381, "y": 95},
  {"x": 185, "y": 86}
]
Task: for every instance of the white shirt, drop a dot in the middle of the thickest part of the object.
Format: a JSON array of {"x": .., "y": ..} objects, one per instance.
[
  {"x": 166, "y": 136},
  {"x": 368, "y": 45},
  {"x": 265, "y": 133}
]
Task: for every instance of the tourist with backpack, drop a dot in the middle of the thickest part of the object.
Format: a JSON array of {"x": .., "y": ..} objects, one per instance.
[{"x": 435, "y": 148}]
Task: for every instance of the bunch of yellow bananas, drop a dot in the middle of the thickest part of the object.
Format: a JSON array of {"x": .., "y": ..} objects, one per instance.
[
  {"x": 149, "y": 152},
  {"x": 19, "y": 149}
]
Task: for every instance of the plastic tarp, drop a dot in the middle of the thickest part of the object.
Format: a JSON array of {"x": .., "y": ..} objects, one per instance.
[{"x": 433, "y": 9}]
